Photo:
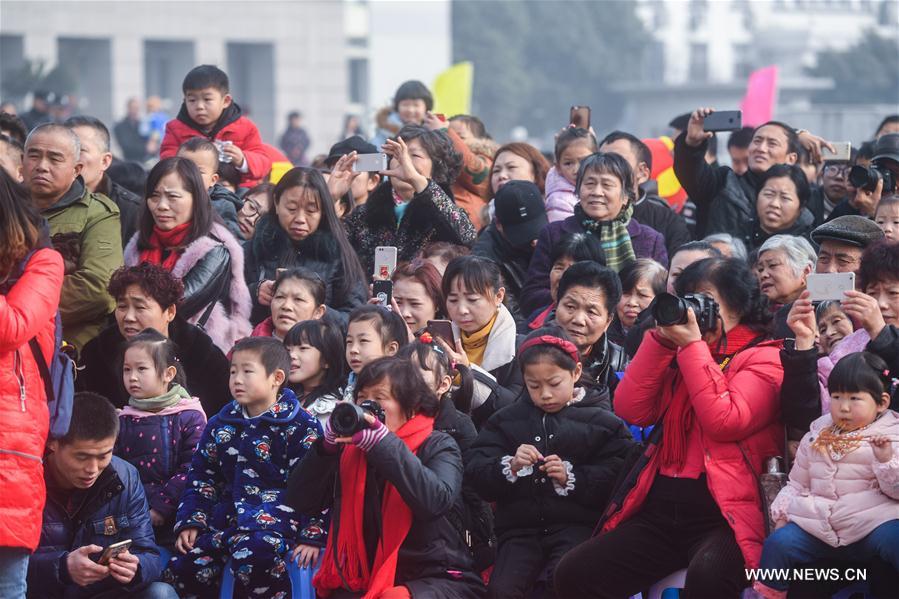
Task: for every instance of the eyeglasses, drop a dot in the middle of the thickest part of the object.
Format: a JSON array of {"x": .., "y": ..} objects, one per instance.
[
  {"x": 251, "y": 209},
  {"x": 836, "y": 170}
]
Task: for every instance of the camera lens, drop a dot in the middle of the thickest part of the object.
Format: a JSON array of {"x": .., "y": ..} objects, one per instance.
[
  {"x": 669, "y": 309},
  {"x": 345, "y": 419}
]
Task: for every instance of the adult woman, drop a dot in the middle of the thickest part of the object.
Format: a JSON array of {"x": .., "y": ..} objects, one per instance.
[
  {"x": 304, "y": 230},
  {"x": 782, "y": 267},
  {"x": 780, "y": 206},
  {"x": 606, "y": 192},
  {"x": 179, "y": 231},
  {"x": 518, "y": 161},
  {"x": 257, "y": 202},
  {"x": 297, "y": 295},
  {"x": 414, "y": 207},
  {"x": 390, "y": 490},
  {"x": 641, "y": 281},
  {"x": 695, "y": 503},
  {"x": 416, "y": 290},
  {"x": 148, "y": 296},
  {"x": 29, "y": 300}
]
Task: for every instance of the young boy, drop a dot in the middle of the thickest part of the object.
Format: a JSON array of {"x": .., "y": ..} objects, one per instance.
[
  {"x": 205, "y": 155},
  {"x": 232, "y": 507},
  {"x": 209, "y": 111},
  {"x": 373, "y": 332}
]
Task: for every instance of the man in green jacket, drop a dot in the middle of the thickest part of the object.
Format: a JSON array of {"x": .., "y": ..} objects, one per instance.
[{"x": 84, "y": 228}]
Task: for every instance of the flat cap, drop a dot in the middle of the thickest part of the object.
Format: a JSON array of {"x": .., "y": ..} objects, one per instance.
[{"x": 854, "y": 230}]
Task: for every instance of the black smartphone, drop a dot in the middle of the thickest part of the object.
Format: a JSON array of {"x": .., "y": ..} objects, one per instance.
[
  {"x": 724, "y": 120},
  {"x": 383, "y": 290},
  {"x": 444, "y": 330},
  {"x": 580, "y": 117}
]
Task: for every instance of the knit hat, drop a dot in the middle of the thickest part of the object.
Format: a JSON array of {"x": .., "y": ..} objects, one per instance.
[
  {"x": 851, "y": 229},
  {"x": 413, "y": 90},
  {"x": 520, "y": 211}
]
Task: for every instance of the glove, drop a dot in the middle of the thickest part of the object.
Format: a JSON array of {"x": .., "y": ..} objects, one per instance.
[
  {"x": 329, "y": 440},
  {"x": 369, "y": 437}
]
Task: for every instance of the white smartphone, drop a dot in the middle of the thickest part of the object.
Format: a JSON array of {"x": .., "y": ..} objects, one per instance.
[
  {"x": 370, "y": 162},
  {"x": 843, "y": 151},
  {"x": 385, "y": 262},
  {"x": 830, "y": 286}
]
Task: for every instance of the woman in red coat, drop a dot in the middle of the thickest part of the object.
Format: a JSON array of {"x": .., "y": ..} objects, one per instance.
[
  {"x": 28, "y": 304},
  {"x": 696, "y": 504}
]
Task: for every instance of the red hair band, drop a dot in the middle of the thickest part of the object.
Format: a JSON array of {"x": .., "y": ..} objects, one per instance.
[{"x": 566, "y": 346}]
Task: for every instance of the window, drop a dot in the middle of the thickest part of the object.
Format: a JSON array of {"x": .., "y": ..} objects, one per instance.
[
  {"x": 699, "y": 62},
  {"x": 358, "y": 72}
]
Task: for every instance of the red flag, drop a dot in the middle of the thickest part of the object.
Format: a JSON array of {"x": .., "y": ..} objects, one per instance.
[{"x": 761, "y": 97}]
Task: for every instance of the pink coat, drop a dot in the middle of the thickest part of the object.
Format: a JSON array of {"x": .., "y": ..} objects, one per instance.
[
  {"x": 841, "y": 502},
  {"x": 560, "y": 198},
  {"x": 851, "y": 343}
]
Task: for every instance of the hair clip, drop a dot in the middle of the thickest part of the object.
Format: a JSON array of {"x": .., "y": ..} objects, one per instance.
[
  {"x": 886, "y": 373},
  {"x": 426, "y": 337}
]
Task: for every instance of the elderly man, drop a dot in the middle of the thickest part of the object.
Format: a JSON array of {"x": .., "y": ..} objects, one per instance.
[
  {"x": 95, "y": 159},
  {"x": 84, "y": 228}
]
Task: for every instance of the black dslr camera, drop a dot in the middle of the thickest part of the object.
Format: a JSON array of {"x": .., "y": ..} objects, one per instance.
[
  {"x": 347, "y": 419},
  {"x": 669, "y": 309},
  {"x": 866, "y": 177}
]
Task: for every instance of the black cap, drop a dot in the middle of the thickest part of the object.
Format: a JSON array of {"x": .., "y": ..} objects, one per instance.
[
  {"x": 887, "y": 146},
  {"x": 351, "y": 144},
  {"x": 680, "y": 121},
  {"x": 851, "y": 229},
  {"x": 519, "y": 208}
]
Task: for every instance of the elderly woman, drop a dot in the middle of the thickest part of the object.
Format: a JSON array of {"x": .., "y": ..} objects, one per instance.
[
  {"x": 784, "y": 263},
  {"x": 780, "y": 207}
]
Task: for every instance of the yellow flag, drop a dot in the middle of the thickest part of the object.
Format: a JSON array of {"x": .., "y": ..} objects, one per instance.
[{"x": 452, "y": 90}]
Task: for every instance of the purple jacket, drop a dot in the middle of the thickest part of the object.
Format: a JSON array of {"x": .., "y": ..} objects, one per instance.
[
  {"x": 647, "y": 243},
  {"x": 160, "y": 445}
]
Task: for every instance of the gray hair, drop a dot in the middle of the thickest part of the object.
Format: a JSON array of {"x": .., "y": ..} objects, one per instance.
[
  {"x": 798, "y": 251},
  {"x": 737, "y": 247},
  {"x": 57, "y": 128}
]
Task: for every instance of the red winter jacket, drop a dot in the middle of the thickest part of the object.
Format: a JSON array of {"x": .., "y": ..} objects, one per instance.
[
  {"x": 231, "y": 126},
  {"x": 27, "y": 311},
  {"x": 740, "y": 404}
]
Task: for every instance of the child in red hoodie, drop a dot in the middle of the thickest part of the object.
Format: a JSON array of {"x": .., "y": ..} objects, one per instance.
[{"x": 209, "y": 111}]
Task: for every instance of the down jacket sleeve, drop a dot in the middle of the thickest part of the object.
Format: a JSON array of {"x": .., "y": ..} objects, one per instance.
[
  {"x": 800, "y": 398},
  {"x": 535, "y": 292},
  {"x": 311, "y": 485},
  {"x": 484, "y": 469},
  {"x": 192, "y": 424},
  {"x": 638, "y": 395},
  {"x": 595, "y": 478},
  {"x": 32, "y": 301}
]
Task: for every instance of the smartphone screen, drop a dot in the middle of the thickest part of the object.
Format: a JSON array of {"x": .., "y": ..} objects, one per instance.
[
  {"x": 830, "y": 286},
  {"x": 580, "y": 117}
]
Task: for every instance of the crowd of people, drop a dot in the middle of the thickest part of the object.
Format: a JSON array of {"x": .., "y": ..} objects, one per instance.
[{"x": 475, "y": 370}]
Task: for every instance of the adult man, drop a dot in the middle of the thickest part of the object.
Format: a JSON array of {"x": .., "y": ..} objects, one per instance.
[
  {"x": 95, "y": 159},
  {"x": 885, "y": 158},
  {"x": 40, "y": 110},
  {"x": 842, "y": 241},
  {"x": 84, "y": 227},
  {"x": 649, "y": 209},
  {"x": 834, "y": 189},
  {"x": 128, "y": 133},
  {"x": 738, "y": 148},
  {"x": 93, "y": 501},
  {"x": 725, "y": 200}
]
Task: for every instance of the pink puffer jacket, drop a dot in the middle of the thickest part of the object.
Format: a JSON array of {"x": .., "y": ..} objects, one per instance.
[
  {"x": 560, "y": 198},
  {"x": 842, "y": 501}
]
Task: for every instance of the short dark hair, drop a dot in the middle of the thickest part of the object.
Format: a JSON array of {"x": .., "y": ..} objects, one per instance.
[
  {"x": 612, "y": 164},
  {"x": 446, "y": 161},
  {"x": 165, "y": 289},
  {"x": 271, "y": 353},
  {"x": 478, "y": 274},
  {"x": 888, "y": 120},
  {"x": 570, "y": 136},
  {"x": 203, "y": 215},
  {"x": 736, "y": 286},
  {"x": 553, "y": 353},
  {"x": 640, "y": 149},
  {"x": 880, "y": 263},
  {"x": 578, "y": 247},
  {"x": 389, "y": 325},
  {"x": 643, "y": 269},
  {"x": 200, "y": 144},
  {"x": 428, "y": 356},
  {"x": 94, "y": 418},
  {"x": 413, "y": 90},
  {"x": 592, "y": 275},
  {"x": 14, "y": 125},
  {"x": 793, "y": 144},
  {"x": 794, "y": 174},
  {"x": 162, "y": 350},
  {"x": 311, "y": 279},
  {"x": 474, "y": 124},
  {"x": 406, "y": 384},
  {"x": 203, "y": 76},
  {"x": 861, "y": 371},
  {"x": 91, "y": 122},
  {"x": 865, "y": 151},
  {"x": 741, "y": 138},
  {"x": 129, "y": 174},
  {"x": 698, "y": 246},
  {"x": 16, "y": 146},
  {"x": 229, "y": 174},
  {"x": 327, "y": 339}
]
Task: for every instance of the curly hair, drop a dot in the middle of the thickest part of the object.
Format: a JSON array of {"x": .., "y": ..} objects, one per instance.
[
  {"x": 447, "y": 163},
  {"x": 154, "y": 280},
  {"x": 880, "y": 263}
]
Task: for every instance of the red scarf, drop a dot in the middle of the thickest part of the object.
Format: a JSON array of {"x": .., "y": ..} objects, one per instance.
[
  {"x": 170, "y": 241},
  {"x": 350, "y": 541},
  {"x": 680, "y": 418}
]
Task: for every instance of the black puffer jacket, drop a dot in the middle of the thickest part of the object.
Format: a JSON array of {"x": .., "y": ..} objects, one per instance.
[
  {"x": 653, "y": 211},
  {"x": 430, "y": 483},
  {"x": 592, "y": 439},
  {"x": 129, "y": 204},
  {"x": 271, "y": 249},
  {"x": 754, "y": 236},
  {"x": 513, "y": 263}
]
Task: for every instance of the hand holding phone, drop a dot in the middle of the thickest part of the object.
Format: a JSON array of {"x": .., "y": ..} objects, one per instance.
[
  {"x": 579, "y": 116},
  {"x": 113, "y": 550},
  {"x": 723, "y": 120},
  {"x": 444, "y": 330},
  {"x": 370, "y": 163},
  {"x": 842, "y": 151},
  {"x": 830, "y": 286},
  {"x": 383, "y": 290}
]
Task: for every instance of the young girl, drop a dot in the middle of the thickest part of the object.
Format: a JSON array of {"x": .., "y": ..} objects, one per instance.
[
  {"x": 641, "y": 281},
  {"x": 316, "y": 366},
  {"x": 572, "y": 145},
  {"x": 474, "y": 296},
  {"x": 160, "y": 426},
  {"x": 842, "y": 501},
  {"x": 887, "y": 217},
  {"x": 298, "y": 294},
  {"x": 548, "y": 463}
]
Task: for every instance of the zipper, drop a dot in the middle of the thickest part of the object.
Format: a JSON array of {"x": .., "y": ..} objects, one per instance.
[
  {"x": 20, "y": 376},
  {"x": 27, "y": 456}
]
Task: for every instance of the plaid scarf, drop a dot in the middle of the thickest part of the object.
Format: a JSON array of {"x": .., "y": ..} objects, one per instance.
[{"x": 612, "y": 235}]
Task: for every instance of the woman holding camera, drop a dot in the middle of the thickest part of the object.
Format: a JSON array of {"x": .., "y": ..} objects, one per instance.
[
  {"x": 714, "y": 390},
  {"x": 391, "y": 480}
]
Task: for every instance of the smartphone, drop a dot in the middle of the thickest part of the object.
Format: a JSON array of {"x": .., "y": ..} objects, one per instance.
[
  {"x": 113, "y": 550},
  {"x": 440, "y": 117},
  {"x": 830, "y": 286},
  {"x": 724, "y": 120},
  {"x": 580, "y": 117},
  {"x": 385, "y": 262},
  {"x": 383, "y": 290},
  {"x": 842, "y": 153},
  {"x": 444, "y": 330},
  {"x": 370, "y": 162}
]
